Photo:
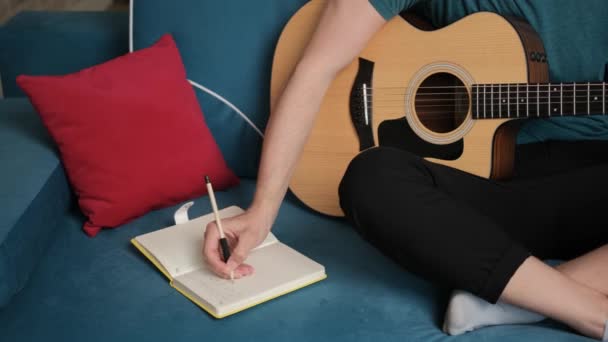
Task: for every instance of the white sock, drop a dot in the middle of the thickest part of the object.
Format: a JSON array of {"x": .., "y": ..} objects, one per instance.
[{"x": 467, "y": 312}]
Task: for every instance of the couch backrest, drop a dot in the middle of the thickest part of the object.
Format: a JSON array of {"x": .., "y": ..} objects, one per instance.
[
  {"x": 227, "y": 47},
  {"x": 55, "y": 43}
]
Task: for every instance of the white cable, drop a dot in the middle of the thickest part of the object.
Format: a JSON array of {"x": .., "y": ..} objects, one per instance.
[
  {"x": 131, "y": 26},
  {"x": 227, "y": 103},
  {"x": 195, "y": 84}
]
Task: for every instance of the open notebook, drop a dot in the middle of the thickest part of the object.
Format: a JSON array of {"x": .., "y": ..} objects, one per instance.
[{"x": 176, "y": 251}]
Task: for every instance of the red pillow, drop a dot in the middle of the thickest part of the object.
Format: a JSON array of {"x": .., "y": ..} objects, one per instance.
[{"x": 130, "y": 133}]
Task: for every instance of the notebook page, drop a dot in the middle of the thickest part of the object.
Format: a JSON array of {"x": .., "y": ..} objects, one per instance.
[
  {"x": 179, "y": 248},
  {"x": 278, "y": 269}
]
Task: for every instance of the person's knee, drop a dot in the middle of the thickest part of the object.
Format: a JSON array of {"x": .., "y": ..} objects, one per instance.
[
  {"x": 379, "y": 167},
  {"x": 358, "y": 170},
  {"x": 374, "y": 177}
]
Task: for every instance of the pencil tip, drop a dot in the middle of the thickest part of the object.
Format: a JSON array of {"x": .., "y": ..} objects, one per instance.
[{"x": 207, "y": 180}]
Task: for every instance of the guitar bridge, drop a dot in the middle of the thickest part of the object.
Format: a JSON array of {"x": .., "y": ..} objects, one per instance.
[{"x": 360, "y": 106}]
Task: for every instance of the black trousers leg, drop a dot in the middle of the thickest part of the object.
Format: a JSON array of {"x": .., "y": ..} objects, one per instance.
[{"x": 471, "y": 233}]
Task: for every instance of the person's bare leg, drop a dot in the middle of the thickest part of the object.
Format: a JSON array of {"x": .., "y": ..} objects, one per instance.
[
  {"x": 540, "y": 288},
  {"x": 589, "y": 269},
  {"x": 467, "y": 312}
]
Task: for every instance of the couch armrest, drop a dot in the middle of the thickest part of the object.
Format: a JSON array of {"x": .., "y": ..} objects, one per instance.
[{"x": 34, "y": 193}]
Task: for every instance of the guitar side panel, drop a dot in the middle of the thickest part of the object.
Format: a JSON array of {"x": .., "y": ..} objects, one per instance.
[{"x": 503, "y": 161}]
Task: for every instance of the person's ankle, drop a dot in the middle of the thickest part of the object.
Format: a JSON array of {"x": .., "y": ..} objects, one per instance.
[
  {"x": 595, "y": 324},
  {"x": 604, "y": 326},
  {"x": 603, "y": 318}
]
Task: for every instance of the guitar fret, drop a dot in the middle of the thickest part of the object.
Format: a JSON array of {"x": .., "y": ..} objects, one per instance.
[
  {"x": 597, "y": 102},
  {"x": 549, "y": 93},
  {"x": 554, "y": 101},
  {"x": 509, "y": 100},
  {"x": 476, "y": 87},
  {"x": 492, "y": 100},
  {"x": 499, "y": 101},
  {"x": 484, "y": 101},
  {"x": 588, "y": 98},
  {"x": 561, "y": 98},
  {"x": 571, "y": 99},
  {"x": 574, "y": 93},
  {"x": 517, "y": 100},
  {"x": 537, "y": 99},
  {"x": 527, "y": 100}
]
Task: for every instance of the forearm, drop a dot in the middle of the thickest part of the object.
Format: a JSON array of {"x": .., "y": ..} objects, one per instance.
[
  {"x": 287, "y": 131},
  {"x": 337, "y": 40}
]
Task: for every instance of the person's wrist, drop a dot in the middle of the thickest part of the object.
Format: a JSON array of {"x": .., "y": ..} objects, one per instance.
[{"x": 264, "y": 211}]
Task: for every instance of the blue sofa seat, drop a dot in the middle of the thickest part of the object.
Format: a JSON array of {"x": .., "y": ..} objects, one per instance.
[
  {"x": 103, "y": 289},
  {"x": 34, "y": 193}
]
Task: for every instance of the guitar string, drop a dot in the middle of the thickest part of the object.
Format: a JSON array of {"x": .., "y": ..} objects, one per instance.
[
  {"x": 509, "y": 95},
  {"x": 498, "y": 112},
  {"x": 504, "y": 105},
  {"x": 454, "y": 103},
  {"x": 481, "y": 117},
  {"x": 462, "y": 97},
  {"x": 531, "y": 92},
  {"x": 502, "y": 85},
  {"x": 443, "y": 114},
  {"x": 422, "y": 103},
  {"x": 451, "y": 98},
  {"x": 513, "y": 99},
  {"x": 487, "y": 94}
]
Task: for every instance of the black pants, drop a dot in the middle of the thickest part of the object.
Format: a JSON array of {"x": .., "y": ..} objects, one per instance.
[{"x": 471, "y": 233}]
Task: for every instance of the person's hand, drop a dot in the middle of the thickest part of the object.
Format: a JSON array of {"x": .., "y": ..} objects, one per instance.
[{"x": 243, "y": 232}]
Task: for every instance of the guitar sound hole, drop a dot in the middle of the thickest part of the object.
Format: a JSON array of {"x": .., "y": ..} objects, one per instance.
[{"x": 442, "y": 103}]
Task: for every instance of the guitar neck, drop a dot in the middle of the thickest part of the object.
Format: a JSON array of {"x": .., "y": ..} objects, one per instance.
[{"x": 534, "y": 100}]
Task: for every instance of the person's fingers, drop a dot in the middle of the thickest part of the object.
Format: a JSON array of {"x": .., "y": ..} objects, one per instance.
[
  {"x": 211, "y": 251},
  {"x": 232, "y": 240},
  {"x": 241, "y": 251},
  {"x": 240, "y": 244},
  {"x": 243, "y": 270}
]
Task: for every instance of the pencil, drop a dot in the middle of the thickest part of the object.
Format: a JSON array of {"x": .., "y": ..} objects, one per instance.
[{"x": 223, "y": 242}]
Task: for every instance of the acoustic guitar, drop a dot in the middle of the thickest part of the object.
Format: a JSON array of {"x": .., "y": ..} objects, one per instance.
[{"x": 462, "y": 89}]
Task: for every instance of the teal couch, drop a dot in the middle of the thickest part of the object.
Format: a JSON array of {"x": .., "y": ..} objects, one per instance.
[{"x": 56, "y": 284}]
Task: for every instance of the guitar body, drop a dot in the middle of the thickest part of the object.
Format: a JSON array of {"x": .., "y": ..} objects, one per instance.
[{"x": 389, "y": 80}]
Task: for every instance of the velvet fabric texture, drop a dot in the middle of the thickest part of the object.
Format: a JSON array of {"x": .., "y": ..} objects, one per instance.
[
  {"x": 131, "y": 134},
  {"x": 34, "y": 194},
  {"x": 105, "y": 290},
  {"x": 228, "y": 47},
  {"x": 57, "y": 43}
]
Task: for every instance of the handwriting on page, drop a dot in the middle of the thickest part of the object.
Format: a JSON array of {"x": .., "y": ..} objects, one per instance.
[{"x": 217, "y": 289}]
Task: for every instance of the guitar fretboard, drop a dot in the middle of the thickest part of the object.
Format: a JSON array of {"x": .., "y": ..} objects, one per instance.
[{"x": 535, "y": 100}]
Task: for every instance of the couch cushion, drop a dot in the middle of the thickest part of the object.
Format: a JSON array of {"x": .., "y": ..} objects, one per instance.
[
  {"x": 227, "y": 46},
  {"x": 105, "y": 290},
  {"x": 49, "y": 43},
  {"x": 33, "y": 193},
  {"x": 131, "y": 134}
]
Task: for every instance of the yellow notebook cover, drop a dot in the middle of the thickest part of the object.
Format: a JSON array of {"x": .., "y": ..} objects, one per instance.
[{"x": 175, "y": 251}]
